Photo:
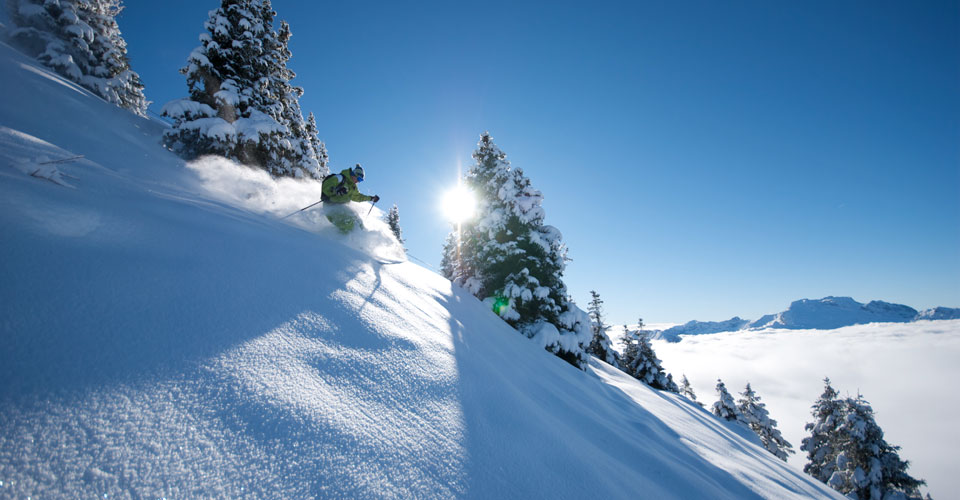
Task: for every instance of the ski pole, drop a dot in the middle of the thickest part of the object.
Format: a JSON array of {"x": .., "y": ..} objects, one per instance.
[
  {"x": 301, "y": 210},
  {"x": 371, "y": 209},
  {"x": 62, "y": 160}
]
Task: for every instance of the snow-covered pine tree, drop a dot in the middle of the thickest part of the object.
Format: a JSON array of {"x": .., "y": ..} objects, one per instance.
[
  {"x": 595, "y": 310},
  {"x": 241, "y": 104},
  {"x": 867, "y": 467},
  {"x": 450, "y": 262},
  {"x": 319, "y": 148},
  {"x": 80, "y": 40},
  {"x": 393, "y": 220},
  {"x": 511, "y": 259},
  {"x": 630, "y": 351},
  {"x": 687, "y": 390},
  {"x": 672, "y": 384},
  {"x": 821, "y": 444},
  {"x": 296, "y": 151},
  {"x": 220, "y": 80},
  {"x": 725, "y": 407},
  {"x": 756, "y": 416},
  {"x": 111, "y": 76},
  {"x": 645, "y": 366},
  {"x": 600, "y": 345}
]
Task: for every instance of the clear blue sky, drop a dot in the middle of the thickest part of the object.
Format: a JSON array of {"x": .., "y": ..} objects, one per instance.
[{"x": 702, "y": 159}]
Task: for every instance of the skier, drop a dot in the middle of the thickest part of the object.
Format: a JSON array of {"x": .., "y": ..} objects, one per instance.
[{"x": 340, "y": 189}]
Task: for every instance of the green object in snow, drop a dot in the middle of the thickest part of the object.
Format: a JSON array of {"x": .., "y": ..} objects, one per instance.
[
  {"x": 342, "y": 188},
  {"x": 500, "y": 304}
]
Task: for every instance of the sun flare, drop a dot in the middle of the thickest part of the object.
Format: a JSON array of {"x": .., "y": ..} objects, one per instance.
[{"x": 458, "y": 204}]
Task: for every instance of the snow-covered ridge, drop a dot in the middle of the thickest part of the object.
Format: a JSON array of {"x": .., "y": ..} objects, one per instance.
[
  {"x": 827, "y": 313},
  {"x": 939, "y": 313},
  {"x": 700, "y": 328}
]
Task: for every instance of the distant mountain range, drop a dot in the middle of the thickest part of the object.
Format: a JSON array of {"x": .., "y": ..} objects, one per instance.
[{"x": 822, "y": 314}]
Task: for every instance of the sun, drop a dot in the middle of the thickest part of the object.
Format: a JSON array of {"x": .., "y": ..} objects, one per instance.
[{"x": 458, "y": 204}]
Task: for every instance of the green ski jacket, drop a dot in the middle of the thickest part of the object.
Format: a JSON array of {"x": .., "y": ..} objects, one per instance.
[{"x": 344, "y": 179}]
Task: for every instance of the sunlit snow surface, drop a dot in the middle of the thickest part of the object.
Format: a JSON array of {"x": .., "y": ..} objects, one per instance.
[
  {"x": 166, "y": 333},
  {"x": 907, "y": 371}
]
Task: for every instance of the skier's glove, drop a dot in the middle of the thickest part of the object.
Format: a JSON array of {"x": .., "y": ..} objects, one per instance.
[
  {"x": 341, "y": 191},
  {"x": 376, "y": 198}
]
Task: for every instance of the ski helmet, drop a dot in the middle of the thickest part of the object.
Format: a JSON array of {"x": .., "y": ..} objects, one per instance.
[{"x": 358, "y": 172}]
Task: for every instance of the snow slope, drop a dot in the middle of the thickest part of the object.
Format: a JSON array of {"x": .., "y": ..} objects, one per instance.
[
  {"x": 165, "y": 334},
  {"x": 905, "y": 370}
]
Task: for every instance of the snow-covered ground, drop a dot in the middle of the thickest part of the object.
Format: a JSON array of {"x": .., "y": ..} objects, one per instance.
[
  {"x": 905, "y": 370},
  {"x": 166, "y": 334}
]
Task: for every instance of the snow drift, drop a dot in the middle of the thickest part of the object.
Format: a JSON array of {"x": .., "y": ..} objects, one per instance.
[{"x": 165, "y": 334}]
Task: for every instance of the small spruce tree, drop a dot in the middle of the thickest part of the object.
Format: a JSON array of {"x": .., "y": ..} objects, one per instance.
[
  {"x": 450, "y": 262},
  {"x": 867, "y": 467},
  {"x": 725, "y": 407},
  {"x": 645, "y": 366},
  {"x": 319, "y": 148},
  {"x": 393, "y": 220},
  {"x": 630, "y": 350},
  {"x": 600, "y": 345},
  {"x": 687, "y": 390},
  {"x": 821, "y": 444},
  {"x": 756, "y": 416}
]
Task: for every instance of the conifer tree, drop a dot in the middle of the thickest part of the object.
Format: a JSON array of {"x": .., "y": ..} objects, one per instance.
[
  {"x": 80, "y": 40},
  {"x": 867, "y": 467},
  {"x": 319, "y": 148},
  {"x": 821, "y": 444},
  {"x": 450, "y": 262},
  {"x": 296, "y": 150},
  {"x": 756, "y": 416},
  {"x": 725, "y": 407},
  {"x": 595, "y": 311},
  {"x": 508, "y": 257},
  {"x": 600, "y": 345},
  {"x": 687, "y": 390},
  {"x": 241, "y": 103},
  {"x": 393, "y": 220},
  {"x": 452, "y": 265},
  {"x": 630, "y": 351},
  {"x": 220, "y": 80},
  {"x": 847, "y": 451},
  {"x": 645, "y": 367}
]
